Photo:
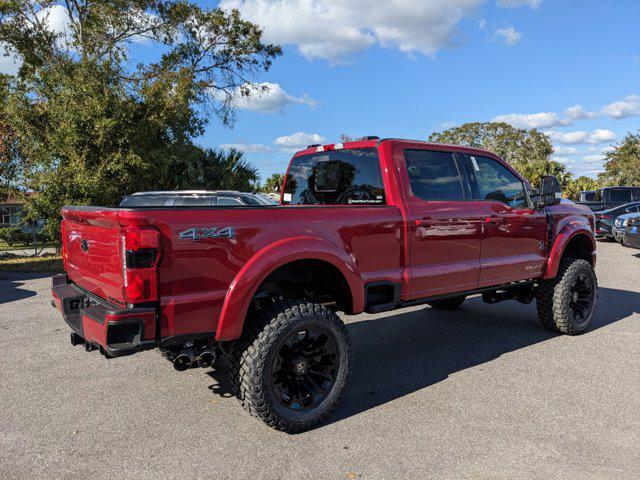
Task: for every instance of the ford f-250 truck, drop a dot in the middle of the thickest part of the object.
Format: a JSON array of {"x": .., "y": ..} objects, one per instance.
[{"x": 365, "y": 226}]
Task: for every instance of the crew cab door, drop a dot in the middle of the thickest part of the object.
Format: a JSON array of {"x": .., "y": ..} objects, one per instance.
[
  {"x": 514, "y": 240},
  {"x": 444, "y": 229}
]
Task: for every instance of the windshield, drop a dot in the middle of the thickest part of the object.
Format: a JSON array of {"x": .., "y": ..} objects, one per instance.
[{"x": 336, "y": 177}]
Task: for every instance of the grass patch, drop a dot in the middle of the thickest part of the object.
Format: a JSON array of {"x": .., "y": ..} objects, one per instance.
[
  {"x": 5, "y": 247},
  {"x": 49, "y": 264}
]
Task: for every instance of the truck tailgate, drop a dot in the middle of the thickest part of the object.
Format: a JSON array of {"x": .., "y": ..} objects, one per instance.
[{"x": 91, "y": 243}]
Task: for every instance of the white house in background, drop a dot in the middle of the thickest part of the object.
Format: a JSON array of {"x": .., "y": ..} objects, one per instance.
[{"x": 11, "y": 209}]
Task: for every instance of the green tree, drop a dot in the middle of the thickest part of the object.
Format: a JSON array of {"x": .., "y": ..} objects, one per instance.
[
  {"x": 220, "y": 170},
  {"x": 622, "y": 165},
  {"x": 273, "y": 183},
  {"x": 578, "y": 185},
  {"x": 527, "y": 150},
  {"x": 90, "y": 127}
]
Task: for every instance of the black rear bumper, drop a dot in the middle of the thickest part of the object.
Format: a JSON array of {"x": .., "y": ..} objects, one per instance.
[{"x": 115, "y": 331}]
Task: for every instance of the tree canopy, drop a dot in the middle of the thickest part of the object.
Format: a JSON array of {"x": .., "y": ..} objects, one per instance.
[
  {"x": 92, "y": 121},
  {"x": 527, "y": 150},
  {"x": 273, "y": 183},
  {"x": 622, "y": 164},
  {"x": 578, "y": 185}
]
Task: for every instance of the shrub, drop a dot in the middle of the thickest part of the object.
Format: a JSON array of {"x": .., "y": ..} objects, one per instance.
[{"x": 12, "y": 236}]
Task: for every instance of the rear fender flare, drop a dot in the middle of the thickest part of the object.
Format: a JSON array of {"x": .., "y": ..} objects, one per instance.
[
  {"x": 257, "y": 269},
  {"x": 569, "y": 229}
]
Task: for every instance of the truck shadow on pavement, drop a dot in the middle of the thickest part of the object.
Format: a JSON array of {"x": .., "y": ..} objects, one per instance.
[
  {"x": 12, "y": 286},
  {"x": 400, "y": 354},
  {"x": 396, "y": 355}
]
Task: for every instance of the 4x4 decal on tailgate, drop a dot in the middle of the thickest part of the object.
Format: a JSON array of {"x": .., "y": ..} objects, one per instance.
[{"x": 200, "y": 233}]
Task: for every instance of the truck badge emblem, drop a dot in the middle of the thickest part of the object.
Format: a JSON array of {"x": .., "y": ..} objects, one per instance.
[{"x": 201, "y": 233}]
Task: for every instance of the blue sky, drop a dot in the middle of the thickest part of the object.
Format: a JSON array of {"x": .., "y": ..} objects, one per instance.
[
  {"x": 493, "y": 59},
  {"x": 406, "y": 68}
]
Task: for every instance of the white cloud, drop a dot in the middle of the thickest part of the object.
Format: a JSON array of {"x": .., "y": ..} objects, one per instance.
[
  {"x": 532, "y": 120},
  {"x": 247, "y": 147},
  {"x": 298, "y": 141},
  {"x": 593, "y": 158},
  {"x": 562, "y": 150},
  {"x": 581, "y": 137},
  {"x": 337, "y": 29},
  {"x": 9, "y": 63},
  {"x": 508, "y": 35},
  {"x": 265, "y": 97},
  {"x": 519, "y": 3},
  {"x": 576, "y": 112},
  {"x": 629, "y": 107},
  {"x": 608, "y": 149}
]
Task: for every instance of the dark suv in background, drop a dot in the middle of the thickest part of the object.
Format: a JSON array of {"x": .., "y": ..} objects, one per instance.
[{"x": 610, "y": 197}]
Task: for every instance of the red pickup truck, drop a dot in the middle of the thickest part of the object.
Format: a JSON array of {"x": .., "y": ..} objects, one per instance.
[{"x": 365, "y": 226}]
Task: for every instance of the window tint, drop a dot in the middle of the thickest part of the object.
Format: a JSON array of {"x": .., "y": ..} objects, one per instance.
[
  {"x": 434, "y": 175},
  {"x": 336, "y": 177},
  {"x": 496, "y": 182},
  {"x": 148, "y": 201},
  {"x": 195, "y": 201},
  {"x": 229, "y": 201},
  {"x": 620, "y": 195},
  {"x": 598, "y": 197}
]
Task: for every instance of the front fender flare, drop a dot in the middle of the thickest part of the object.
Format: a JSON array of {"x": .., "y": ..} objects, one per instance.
[
  {"x": 255, "y": 271},
  {"x": 567, "y": 232}
]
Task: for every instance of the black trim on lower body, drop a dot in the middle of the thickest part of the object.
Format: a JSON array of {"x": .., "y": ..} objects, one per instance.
[{"x": 376, "y": 308}]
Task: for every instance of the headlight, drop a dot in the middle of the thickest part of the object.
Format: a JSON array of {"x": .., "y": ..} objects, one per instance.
[{"x": 624, "y": 222}]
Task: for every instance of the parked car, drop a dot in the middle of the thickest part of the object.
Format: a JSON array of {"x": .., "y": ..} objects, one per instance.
[
  {"x": 195, "y": 198},
  {"x": 365, "y": 226},
  {"x": 610, "y": 197},
  {"x": 631, "y": 237},
  {"x": 605, "y": 219},
  {"x": 587, "y": 196},
  {"x": 620, "y": 225}
]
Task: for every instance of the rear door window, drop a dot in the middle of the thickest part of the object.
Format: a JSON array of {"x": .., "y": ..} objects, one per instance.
[{"x": 434, "y": 175}]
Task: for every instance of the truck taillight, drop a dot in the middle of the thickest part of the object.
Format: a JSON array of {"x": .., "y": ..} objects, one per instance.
[
  {"x": 63, "y": 243},
  {"x": 140, "y": 249}
]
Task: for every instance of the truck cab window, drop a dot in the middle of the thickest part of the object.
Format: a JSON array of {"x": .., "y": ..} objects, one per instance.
[
  {"x": 434, "y": 175},
  {"x": 620, "y": 195},
  {"x": 335, "y": 177},
  {"x": 496, "y": 182}
]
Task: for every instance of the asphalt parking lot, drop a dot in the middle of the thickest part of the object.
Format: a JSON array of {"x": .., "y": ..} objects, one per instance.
[{"x": 482, "y": 392}]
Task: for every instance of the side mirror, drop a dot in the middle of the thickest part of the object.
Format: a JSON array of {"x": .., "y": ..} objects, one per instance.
[{"x": 550, "y": 191}]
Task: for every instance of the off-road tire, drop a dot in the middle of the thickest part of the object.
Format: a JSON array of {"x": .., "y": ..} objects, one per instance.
[
  {"x": 447, "y": 303},
  {"x": 252, "y": 357},
  {"x": 554, "y": 298}
]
